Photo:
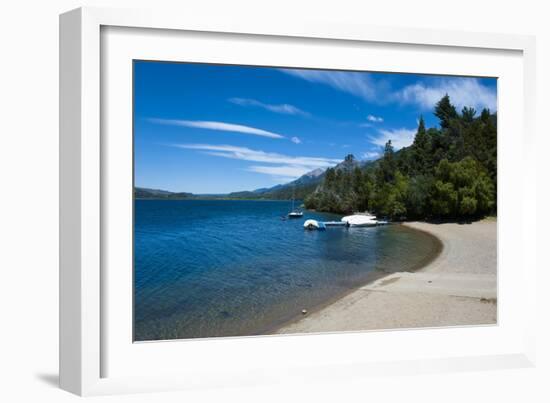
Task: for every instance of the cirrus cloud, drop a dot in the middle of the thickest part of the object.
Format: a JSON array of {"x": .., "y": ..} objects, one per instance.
[
  {"x": 280, "y": 165},
  {"x": 247, "y": 154},
  {"x": 399, "y": 137},
  {"x": 220, "y": 126},
  {"x": 286, "y": 171},
  {"x": 285, "y": 109},
  {"x": 370, "y": 155},
  {"x": 356, "y": 83},
  {"x": 463, "y": 91},
  {"x": 375, "y": 119}
]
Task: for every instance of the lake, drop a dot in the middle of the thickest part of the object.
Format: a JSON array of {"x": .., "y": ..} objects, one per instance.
[{"x": 210, "y": 268}]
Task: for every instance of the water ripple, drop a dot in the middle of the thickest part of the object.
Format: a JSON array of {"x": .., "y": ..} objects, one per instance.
[{"x": 227, "y": 268}]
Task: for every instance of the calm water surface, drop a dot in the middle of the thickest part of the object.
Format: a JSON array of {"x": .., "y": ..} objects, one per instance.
[{"x": 233, "y": 268}]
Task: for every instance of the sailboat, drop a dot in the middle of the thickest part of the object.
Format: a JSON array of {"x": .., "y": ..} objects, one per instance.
[{"x": 293, "y": 212}]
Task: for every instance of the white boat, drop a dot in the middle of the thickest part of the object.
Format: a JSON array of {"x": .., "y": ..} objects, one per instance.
[
  {"x": 361, "y": 220},
  {"x": 293, "y": 212},
  {"x": 314, "y": 225}
]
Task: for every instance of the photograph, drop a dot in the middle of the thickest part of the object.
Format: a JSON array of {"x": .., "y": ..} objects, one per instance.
[{"x": 275, "y": 200}]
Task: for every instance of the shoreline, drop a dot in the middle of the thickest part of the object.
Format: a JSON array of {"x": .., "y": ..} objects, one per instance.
[
  {"x": 371, "y": 278},
  {"x": 456, "y": 287}
]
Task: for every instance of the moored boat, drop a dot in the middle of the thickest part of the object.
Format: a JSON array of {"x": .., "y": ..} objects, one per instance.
[
  {"x": 294, "y": 213},
  {"x": 362, "y": 220},
  {"x": 314, "y": 225}
]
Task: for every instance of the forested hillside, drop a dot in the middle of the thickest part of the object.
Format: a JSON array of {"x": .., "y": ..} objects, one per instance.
[
  {"x": 145, "y": 193},
  {"x": 448, "y": 172}
]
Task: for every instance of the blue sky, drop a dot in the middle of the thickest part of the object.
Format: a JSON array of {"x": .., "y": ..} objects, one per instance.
[{"x": 204, "y": 128}]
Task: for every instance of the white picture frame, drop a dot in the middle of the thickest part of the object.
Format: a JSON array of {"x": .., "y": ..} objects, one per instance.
[{"x": 85, "y": 344}]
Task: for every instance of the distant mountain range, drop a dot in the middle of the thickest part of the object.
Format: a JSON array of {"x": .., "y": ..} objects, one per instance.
[
  {"x": 145, "y": 193},
  {"x": 301, "y": 187}
]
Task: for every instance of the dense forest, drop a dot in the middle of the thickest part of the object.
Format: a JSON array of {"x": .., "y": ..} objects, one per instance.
[{"x": 448, "y": 172}]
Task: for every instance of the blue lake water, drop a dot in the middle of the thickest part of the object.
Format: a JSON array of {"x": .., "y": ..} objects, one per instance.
[{"x": 207, "y": 268}]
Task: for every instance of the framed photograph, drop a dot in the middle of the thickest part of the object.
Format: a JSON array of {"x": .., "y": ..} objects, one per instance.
[{"x": 251, "y": 203}]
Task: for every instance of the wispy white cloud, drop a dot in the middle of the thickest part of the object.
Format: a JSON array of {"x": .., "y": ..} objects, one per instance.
[
  {"x": 296, "y": 140},
  {"x": 284, "y": 171},
  {"x": 283, "y": 165},
  {"x": 286, "y": 109},
  {"x": 463, "y": 91},
  {"x": 247, "y": 154},
  {"x": 370, "y": 155},
  {"x": 221, "y": 126},
  {"x": 399, "y": 137},
  {"x": 356, "y": 83},
  {"x": 375, "y": 119}
]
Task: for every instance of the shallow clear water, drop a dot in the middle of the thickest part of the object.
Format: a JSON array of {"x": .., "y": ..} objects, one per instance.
[{"x": 231, "y": 268}]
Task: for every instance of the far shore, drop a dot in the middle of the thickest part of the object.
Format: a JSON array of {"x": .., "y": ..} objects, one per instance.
[
  {"x": 205, "y": 198},
  {"x": 457, "y": 288}
]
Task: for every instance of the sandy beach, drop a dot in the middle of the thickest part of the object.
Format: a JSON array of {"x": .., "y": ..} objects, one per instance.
[{"x": 459, "y": 287}]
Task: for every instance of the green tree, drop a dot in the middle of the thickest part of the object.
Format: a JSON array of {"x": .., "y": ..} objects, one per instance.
[
  {"x": 462, "y": 189},
  {"x": 468, "y": 114},
  {"x": 387, "y": 165},
  {"x": 445, "y": 111},
  {"x": 418, "y": 196},
  {"x": 449, "y": 172},
  {"x": 444, "y": 199},
  {"x": 421, "y": 150}
]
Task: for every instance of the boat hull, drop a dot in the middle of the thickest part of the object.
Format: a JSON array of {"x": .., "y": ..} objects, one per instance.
[{"x": 313, "y": 225}]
